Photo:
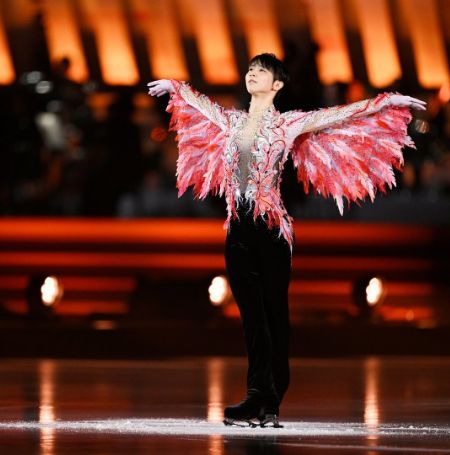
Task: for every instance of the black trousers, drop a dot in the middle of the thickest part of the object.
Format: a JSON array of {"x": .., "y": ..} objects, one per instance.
[{"x": 258, "y": 265}]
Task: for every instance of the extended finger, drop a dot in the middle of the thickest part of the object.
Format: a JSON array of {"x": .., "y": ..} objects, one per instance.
[
  {"x": 417, "y": 100},
  {"x": 418, "y": 106}
]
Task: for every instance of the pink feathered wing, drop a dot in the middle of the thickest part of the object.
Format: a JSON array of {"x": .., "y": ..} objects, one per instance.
[
  {"x": 201, "y": 145},
  {"x": 354, "y": 158}
]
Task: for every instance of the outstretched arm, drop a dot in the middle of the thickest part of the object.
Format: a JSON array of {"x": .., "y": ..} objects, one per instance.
[
  {"x": 201, "y": 127},
  {"x": 356, "y": 152},
  {"x": 299, "y": 122},
  {"x": 211, "y": 110}
]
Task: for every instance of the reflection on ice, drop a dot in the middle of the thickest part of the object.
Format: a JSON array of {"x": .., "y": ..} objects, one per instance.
[{"x": 202, "y": 427}]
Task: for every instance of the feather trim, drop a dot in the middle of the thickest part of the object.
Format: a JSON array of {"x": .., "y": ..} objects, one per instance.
[
  {"x": 355, "y": 158},
  {"x": 201, "y": 145}
]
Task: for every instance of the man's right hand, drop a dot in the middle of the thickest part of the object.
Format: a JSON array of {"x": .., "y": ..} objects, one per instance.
[{"x": 160, "y": 87}]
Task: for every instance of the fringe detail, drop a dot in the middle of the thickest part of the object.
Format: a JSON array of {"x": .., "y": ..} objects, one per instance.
[
  {"x": 201, "y": 146},
  {"x": 355, "y": 158}
]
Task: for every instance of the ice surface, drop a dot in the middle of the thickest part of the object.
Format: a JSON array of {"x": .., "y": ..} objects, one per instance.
[{"x": 179, "y": 426}]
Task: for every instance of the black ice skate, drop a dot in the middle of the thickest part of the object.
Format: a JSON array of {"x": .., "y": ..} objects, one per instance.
[
  {"x": 247, "y": 412},
  {"x": 270, "y": 420},
  {"x": 269, "y": 413}
]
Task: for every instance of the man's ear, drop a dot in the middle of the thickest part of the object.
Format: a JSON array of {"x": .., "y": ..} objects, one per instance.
[{"x": 278, "y": 85}]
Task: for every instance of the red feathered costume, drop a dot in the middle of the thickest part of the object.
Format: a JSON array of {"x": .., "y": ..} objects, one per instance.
[{"x": 343, "y": 151}]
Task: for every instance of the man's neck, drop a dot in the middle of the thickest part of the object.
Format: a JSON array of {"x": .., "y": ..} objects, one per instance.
[{"x": 259, "y": 104}]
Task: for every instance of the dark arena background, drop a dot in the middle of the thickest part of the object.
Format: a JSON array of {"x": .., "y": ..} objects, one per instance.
[{"x": 118, "y": 330}]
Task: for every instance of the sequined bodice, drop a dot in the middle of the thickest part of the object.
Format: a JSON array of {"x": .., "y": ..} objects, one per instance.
[{"x": 245, "y": 139}]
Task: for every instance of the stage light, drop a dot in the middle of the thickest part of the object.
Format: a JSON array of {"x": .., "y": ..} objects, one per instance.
[
  {"x": 31, "y": 77},
  {"x": 444, "y": 93},
  {"x": 374, "y": 291},
  {"x": 43, "y": 87},
  {"x": 368, "y": 293},
  {"x": 44, "y": 292},
  {"x": 51, "y": 291},
  {"x": 158, "y": 134},
  {"x": 219, "y": 291},
  {"x": 421, "y": 126}
]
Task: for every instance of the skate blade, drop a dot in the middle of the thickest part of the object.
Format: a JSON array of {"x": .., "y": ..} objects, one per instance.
[
  {"x": 239, "y": 423},
  {"x": 270, "y": 421}
]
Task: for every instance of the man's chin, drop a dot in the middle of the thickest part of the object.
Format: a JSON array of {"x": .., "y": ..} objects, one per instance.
[{"x": 252, "y": 90}]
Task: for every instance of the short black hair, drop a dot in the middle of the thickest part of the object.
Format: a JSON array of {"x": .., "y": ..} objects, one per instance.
[{"x": 273, "y": 64}]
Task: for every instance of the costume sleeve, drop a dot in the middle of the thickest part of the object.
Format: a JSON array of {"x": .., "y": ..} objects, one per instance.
[
  {"x": 211, "y": 110},
  {"x": 355, "y": 155},
  {"x": 201, "y": 126},
  {"x": 299, "y": 122}
]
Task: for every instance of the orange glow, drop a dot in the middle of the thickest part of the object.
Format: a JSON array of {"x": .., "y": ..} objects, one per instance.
[
  {"x": 207, "y": 232},
  {"x": 74, "y": 307},
  {"x": 7, "y": 73},
  {"x": 106, "y": 19},
  {"x": 158, "y": 134},
  {"x": 371, "y": 396},
  {"x": 97, "y": 277},
  {"x": 444, "y": 93},
  {"x": 215, "y": 377},
  {"x": 213, "y": 41},
  {"x": 114, "y": 261},
  {"x": 319, "y": 287},
  {"x": 427, "y": 41},
  {"x": 333, "y": 60},
  {"x": 155, "y": 20},
  {"x": 380, "y": 53},
  {"x": 260, "y": 29},
  {"x": 47, "y": 414},
  {"x": 19, "y": 13},
  {"x": 63, "y": 37},
  {"x": 404, "y": 314}
]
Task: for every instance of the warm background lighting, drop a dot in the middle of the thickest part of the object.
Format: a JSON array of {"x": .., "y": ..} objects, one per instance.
[
  {"x": 63, "y": 37},
  {"x": 444, "y": 93},
  {"x": 51, "y": 291},
  {"x": 156, "y": 20},
  {"x": 219, "y": 290},
  {"x": 374, "y": 291},
  {"x": 377, "y": 36},
  {"x": 259, "y": 26},
  {"x": 422, "y": 19},
  {"x": 213, "y": 40},
  {"x": 333, "y": 60},
  {"x": 7, "y": 74},
  {"x": 107, "y": 21}
]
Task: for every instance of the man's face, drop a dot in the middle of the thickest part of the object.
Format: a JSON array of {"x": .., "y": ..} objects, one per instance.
[{"x": 259, "y": 79}]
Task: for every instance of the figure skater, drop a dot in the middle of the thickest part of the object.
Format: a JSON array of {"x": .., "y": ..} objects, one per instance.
[{"x": 345, "y": 151}]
